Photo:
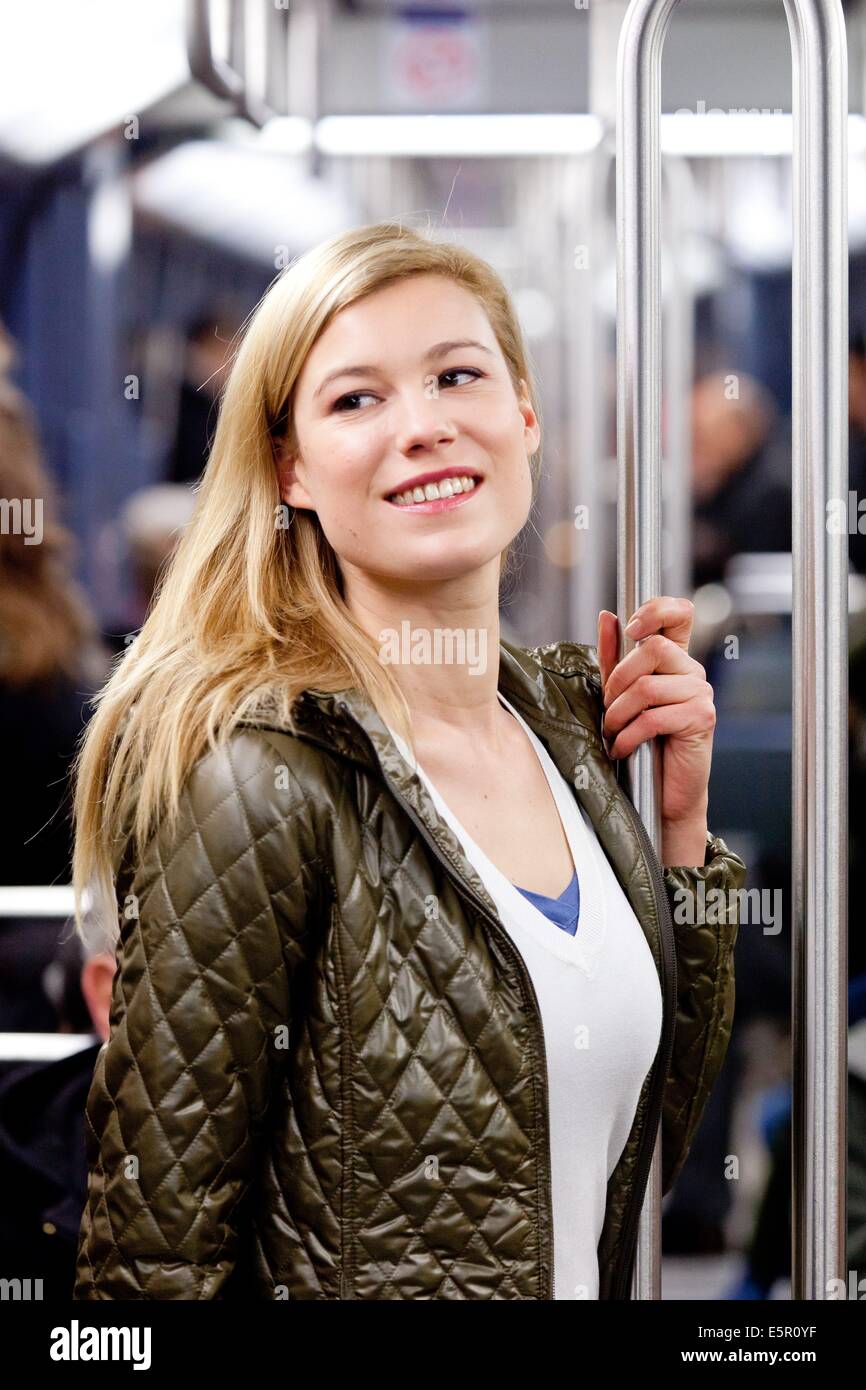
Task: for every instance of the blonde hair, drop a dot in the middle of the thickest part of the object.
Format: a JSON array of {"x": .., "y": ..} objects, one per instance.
[{"x": 246, "y": 607}]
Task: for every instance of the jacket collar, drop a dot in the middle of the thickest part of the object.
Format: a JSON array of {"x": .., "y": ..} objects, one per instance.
[
  {"x": 347, "y": 722},
  {"x": 552, "y": 687}
]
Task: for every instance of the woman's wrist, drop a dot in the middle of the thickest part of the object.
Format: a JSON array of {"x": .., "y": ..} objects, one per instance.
[{"x": 684, "y": 843}]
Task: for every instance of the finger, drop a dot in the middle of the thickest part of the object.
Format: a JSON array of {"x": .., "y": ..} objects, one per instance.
[
  {"x": 648, "y": 691},
  {"x": 655, "y": 653},
  {"x": 608, "y": 643},
  {"x": 694, "y": 717},
  {"x": 673, "y": 617}
]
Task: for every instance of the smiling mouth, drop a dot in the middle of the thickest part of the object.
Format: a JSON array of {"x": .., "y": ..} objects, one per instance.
[{"x": 435, "y": 496}]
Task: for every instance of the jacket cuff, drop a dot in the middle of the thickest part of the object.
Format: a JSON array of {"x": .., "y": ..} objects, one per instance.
[
  {"x": 721, "y": 869},
  {"x": 705, "y": 907}
]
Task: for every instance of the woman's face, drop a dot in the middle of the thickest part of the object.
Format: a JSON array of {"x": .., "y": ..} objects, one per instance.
[{"x": 410, "y": 381}]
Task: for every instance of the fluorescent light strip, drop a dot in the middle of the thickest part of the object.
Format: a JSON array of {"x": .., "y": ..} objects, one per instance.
[
  {"x": 39, "y": 901},
  {"x": 458, "y": 135},
  {"x": 700, "y": 135},
  {"x": 43, "y": 1047},
  {"x": 710, "y": 134}
]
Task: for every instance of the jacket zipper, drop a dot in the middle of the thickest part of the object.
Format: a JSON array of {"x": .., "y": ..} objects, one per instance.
[
  {"x": 468, "y": 892},
  {"x": 347, "y": 1270},
  {"x": 620, "y": 1283}
]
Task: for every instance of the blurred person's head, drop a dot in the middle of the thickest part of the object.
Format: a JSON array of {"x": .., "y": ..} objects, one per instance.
[
  {"x": 99, "y": 964},
  {"x": 80, "y": 978},
  {"x": 97, "y": 978},
  {"x": 732, "y": 415},
  {"x": 296, "y": 511},
  {"x": 152, "y": 521},
  {"x": 857, "y": 379},
  {"x": 46, "y": 626}
]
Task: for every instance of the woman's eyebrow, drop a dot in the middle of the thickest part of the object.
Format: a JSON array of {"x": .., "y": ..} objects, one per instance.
[{"x": 432, "y": 354}]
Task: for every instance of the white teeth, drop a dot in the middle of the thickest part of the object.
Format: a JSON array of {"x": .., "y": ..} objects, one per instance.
[{"x": 432, "y": 492}]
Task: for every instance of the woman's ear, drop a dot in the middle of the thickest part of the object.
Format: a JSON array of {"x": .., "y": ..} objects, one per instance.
[
  {"x": 532, "y": 429},
  {"x": 285, "y": 464},
  {"x": 292, "y": 490}
]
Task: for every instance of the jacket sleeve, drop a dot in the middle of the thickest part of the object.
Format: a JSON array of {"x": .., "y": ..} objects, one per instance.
[
  {"x": 704, "y": 945},
  {"x": 706, "y": 925},
  {"x": 213, "y": 923}
]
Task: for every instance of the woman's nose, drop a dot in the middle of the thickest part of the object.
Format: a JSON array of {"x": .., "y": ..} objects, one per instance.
[{"x": 423, "y": 421}]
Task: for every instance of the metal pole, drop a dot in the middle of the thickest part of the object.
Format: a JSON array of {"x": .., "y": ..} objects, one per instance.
[
  {"x": 678, "y": 326},
  {"x": 230, "y": 79},
  {"x": 820, "y": 417},
  {"x": 820, "y": 696},
  {"x": 587, "y": 349},
  {"x": 204, "y": 64}
]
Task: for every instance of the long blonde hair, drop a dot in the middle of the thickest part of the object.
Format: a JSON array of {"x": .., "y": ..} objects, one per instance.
[{"x": 247, "y": 607}]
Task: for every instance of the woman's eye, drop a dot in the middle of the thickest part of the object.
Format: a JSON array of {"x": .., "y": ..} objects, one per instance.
[
  {"x": 460, "y": 371},
  {"x": 344, "y": 404},
  {"x": 351, "y": 396}
]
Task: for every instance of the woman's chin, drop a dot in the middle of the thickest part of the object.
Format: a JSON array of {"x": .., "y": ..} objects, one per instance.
[{"x": 452, "y": 562}]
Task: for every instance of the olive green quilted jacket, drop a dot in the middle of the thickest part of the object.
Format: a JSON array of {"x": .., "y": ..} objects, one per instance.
[{"x": 325, "y": 1076}]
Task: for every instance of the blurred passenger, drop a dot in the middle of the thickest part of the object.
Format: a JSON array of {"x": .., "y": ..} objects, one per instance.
[
  {"x": 741, "y": 474},
  {"x": 43, "y": 1161},
  {"x": 856, "y": 785},
  {"x": 208, "y": 348},
  {"x": 768, "y": 1258},
  {"x": 151, "y": 523},
  {"x": 51, "y": 659},
  {"x": 857, "y": 442}
]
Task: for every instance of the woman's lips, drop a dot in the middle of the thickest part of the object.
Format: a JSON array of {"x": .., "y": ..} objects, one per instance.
[{"x": 439, "y": 504}]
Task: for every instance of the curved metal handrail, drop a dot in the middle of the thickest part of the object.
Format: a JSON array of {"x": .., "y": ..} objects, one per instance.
[
  {"x": 230, "y": 80},
  {"x": 213, "y": 72},
  {"x": 820, "y": 418}
]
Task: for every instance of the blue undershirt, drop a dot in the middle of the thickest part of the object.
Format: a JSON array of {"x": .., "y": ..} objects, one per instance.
[{"x": 564, "y": 910}]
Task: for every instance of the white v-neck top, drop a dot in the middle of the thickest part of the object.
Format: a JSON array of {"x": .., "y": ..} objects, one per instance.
[{"x": 601, "y": 1010}]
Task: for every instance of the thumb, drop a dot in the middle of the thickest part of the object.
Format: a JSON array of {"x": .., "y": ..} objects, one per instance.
[{"x": 608, "y": 643}]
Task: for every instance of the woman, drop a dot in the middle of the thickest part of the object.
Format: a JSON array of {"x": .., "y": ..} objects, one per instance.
[{"x": 349, "y": 1057}]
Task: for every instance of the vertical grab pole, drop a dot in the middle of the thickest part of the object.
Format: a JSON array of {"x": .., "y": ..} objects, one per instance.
[
  {"x": 638, "y": 433},
  {"x": 820, "y": 695},
  {"x": 820, "y": 481}
]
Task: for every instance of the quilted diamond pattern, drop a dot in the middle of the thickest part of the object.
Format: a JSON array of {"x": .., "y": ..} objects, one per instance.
[
  {"x": 181, "y": 1091},
  {"x": 324, "y": 1077},
  {"x": 705, "y": 1003}
]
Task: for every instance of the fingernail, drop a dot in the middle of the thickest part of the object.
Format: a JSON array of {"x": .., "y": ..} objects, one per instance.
[{"x": 633, "y": 626}]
